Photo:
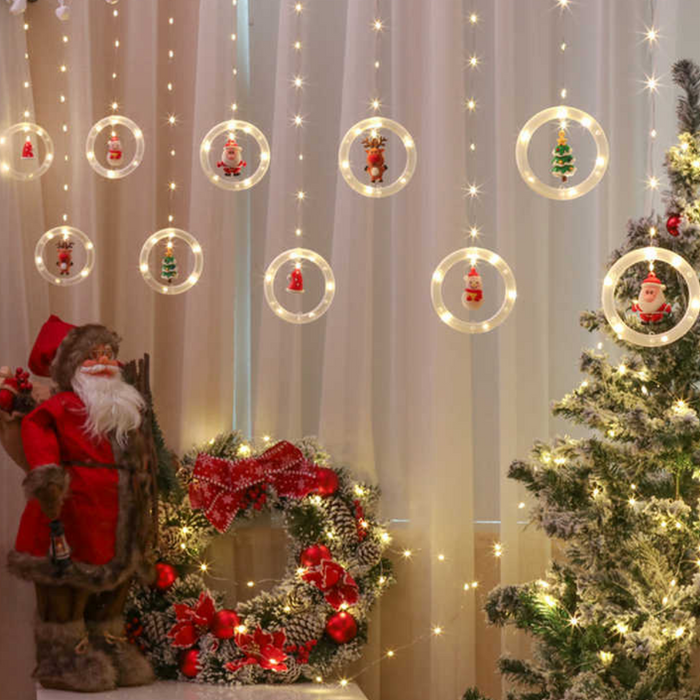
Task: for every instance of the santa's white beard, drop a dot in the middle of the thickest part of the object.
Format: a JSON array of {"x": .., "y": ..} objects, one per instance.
[
  {"x": 231, "y": 162},
  {"x": 112, "y": 405},
  {"x": 648, "y": 307}
]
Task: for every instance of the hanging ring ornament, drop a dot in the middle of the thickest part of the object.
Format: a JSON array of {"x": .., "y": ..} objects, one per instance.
[
  {"x": 373, "y": 124},
  {"x": 562, "y": 114},
  {"x": 27, "y": 128},
  {"x": 65, "y": 233},
  {"x": 171, "y": 234},
  {"x": 137, "y": 158},
  {"x": 470, "y": 256},
  {"x": 231, "y": 127},
  {"x": 295, "y": 255},
  {"x": 651, "y": 254}
]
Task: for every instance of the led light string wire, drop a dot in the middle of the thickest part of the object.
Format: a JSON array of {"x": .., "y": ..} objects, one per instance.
[
  {"x": 375, "y": 102},
  {"x": 297, "y": 82},
  {"x": 26, "y": 71},
  {"x": 472, "y": 189},
  {"x": 172, "y": 120},
  {"x": 64, "y": 114},
  {"x": 116, "y": 23},
  {"x": 563, "y": 47},
  {"x": 651, "y": 38},
  {"x": 234, "y": 58}
]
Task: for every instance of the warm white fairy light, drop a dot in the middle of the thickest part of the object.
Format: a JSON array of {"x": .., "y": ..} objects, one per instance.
[
  {"x": 471, "y": 104},
  {"x": 651, "y": 83}
]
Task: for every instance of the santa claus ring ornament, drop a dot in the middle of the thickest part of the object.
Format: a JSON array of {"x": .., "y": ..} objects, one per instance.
[
  {"x": 376, "y": 157},
  {"x": 563, "y": 115},
  {"x": 112, "y": 147},
  {"x": 60, "y": 271},
  {"x": 651, "y": 305},
  {"x": 27, "y": 151},
  {"x": 231, "y": 166},
  {"x": 295, "y": 280},
  {"x": 473, "y": 295}
]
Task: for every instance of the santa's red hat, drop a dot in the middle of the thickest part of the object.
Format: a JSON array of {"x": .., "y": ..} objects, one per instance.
[
  {"x": 231, "y": 142},
  {"x": 46, "y": 345},
  {"x": 114, "y": 137},
  {"x": 653, "y": 279},
  {"x": 473, "y": 273}
]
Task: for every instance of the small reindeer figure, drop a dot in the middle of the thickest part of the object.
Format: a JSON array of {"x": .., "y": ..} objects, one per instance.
[
  {"x": 375, "y": 157},
  {"x": 65, "y": 256}
]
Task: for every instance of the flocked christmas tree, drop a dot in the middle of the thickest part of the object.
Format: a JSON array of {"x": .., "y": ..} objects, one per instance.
[
  {"x": 168, "y": 269},
  {"x": 562, "y": 159},
  {"x": 616, "y": 617}
]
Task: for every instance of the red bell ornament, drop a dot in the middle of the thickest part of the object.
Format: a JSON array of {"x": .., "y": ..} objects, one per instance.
[
  {"x": 326, "y": 482},
  {"x": 224, "y": 623},
  {"x": 189, "y": 663},
  {"x": 672, "y": 224},
  {"x": 166, "y": 575},
  {"x": 313, "y": 555},
  {"x": 341, "y": 627}
]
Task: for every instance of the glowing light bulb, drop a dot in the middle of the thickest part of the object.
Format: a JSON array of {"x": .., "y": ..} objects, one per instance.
[
  {"x": 473, "y": 18},
  {"x": 437, "y": 631},
  {"x": 652, "y": 83},
  {"x": 298, "y": 120},
  {"x": 471, "y": 104},
  {"x": 473, "y": 61},
  {"x": 377, "y": 25},
  {"x": 652, "y": 34}
]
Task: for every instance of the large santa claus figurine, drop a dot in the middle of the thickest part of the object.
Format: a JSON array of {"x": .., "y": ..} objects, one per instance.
[
  {"x": 86, "y": 528},
  {"x": 231, "y": 159},
  {"x": 651, "y": 304}
]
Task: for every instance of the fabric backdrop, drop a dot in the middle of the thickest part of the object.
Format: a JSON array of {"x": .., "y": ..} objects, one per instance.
[{"x": 435, "y": 416}]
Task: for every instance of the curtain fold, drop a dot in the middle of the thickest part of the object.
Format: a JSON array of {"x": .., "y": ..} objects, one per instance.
[{"x": 434, "y": 416}]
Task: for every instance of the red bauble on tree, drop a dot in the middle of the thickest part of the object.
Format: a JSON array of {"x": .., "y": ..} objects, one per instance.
[
  {"x": 313, "y": 555},
  {"x": 341, "y": 627},
  {"x": 326, "y": 482},
  {"x": 189, "y": 663},
  {"x": 224, "y": 623},
  {"x": 165, "y": 576},
  {"x": 672, "y": 224}
]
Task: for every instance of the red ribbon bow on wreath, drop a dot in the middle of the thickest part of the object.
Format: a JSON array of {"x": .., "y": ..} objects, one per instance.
[
  {"x": 220, "y": 486},
  {"x": 336, "y": 583}
]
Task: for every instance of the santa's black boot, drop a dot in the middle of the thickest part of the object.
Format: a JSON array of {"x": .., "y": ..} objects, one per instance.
[
  {"x": 132, "y": 667},
  {"x": 67, "y": 661}
]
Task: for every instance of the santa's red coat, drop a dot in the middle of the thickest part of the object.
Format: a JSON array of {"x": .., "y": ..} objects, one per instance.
[{"x": 53, "y": 434}]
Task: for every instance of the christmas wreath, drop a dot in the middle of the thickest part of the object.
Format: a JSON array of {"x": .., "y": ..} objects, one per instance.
[{"x": 314, "y": 620}]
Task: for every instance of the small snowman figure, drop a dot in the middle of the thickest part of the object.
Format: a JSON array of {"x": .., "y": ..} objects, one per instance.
[
  {"x": 473, "y": 296},
  {"x": 114, "y": 151}
]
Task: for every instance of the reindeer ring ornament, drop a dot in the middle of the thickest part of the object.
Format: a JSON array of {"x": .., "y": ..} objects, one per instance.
[{"x": 376, "y": 165}]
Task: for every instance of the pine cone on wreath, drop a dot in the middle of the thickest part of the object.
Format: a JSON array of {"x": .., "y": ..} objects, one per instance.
[
  {"x": 369, "y": 553},
  {"x": 156, "y": 626},
  {"x": 302, "y": 628},
  {"x": 343, "y": 519},
  {"x": 301, "y": 598}
]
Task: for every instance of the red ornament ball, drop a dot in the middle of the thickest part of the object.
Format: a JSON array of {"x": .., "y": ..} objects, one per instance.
[
  {"x": 313, "y": 555},
  {"x": 7, "y": 400},
  {"x": 326, "y": 482},
  {"x": 189, "y": 663},
  {"x": 341, "y": 627},
  {"x": 674, "y": 221},
  {"x": 165, "y": 576},
  {"x": 224, "y": 623}
]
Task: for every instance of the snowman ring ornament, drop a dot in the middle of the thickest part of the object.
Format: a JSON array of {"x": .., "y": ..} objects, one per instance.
[
  {"x": 27, "y": 153},
  {"x": 473, "y": 295},
  {"x": 230, "y": 166},
  {"x": 651, "y": 305},
  {"x": 296, "y": 284},
  {"x": 114, "y": 155}
]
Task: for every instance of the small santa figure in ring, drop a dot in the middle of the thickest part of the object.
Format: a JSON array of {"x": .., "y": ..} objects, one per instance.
[
  {"x": 231, "y": 159},
  {"x": 114, "y": 151},
  {"x": 651, "y": 305},
  {"x": 473, "y": 296}
]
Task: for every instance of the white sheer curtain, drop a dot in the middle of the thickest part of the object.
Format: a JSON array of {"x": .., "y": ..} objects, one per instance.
[{"x": 433, "y": 415}]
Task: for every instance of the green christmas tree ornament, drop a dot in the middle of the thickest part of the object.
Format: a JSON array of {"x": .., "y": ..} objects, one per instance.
[{"x": 562, "y": 160}]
